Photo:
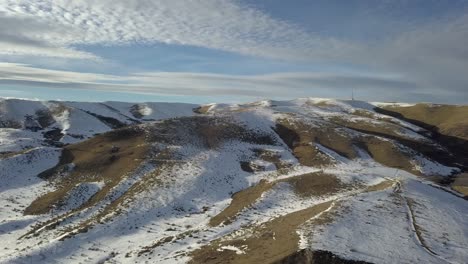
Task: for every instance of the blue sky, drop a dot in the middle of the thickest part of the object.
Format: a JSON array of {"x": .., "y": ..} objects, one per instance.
[{"x": 234, "y": 51}]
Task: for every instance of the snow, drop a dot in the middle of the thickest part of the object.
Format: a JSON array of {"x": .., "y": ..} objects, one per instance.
[
  {"x": 442, "y": 217},
  {"x": 79, "y": 194},
  {"x": 101, "y": 109},
  {"x": 232, "y": 248},
  {"x": 377, "y": 227},
  {"x": 379, "y": 104},
  {"x": 19, "y": 187},
  {"x": 428, "y": 167},
  {"x": 16, "y": 109},
  {"x": 14, "y": 140},
  {"x": 155, "y": 111},
  {"x": 79, "y": 120},
  {"x": 199, "y": 182}
]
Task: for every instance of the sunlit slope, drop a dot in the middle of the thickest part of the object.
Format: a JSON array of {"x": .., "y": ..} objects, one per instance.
[{"x": 308, "y": 180}]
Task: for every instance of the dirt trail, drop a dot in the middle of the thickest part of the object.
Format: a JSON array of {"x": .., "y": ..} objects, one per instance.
[{"x": 416, "y": 229}]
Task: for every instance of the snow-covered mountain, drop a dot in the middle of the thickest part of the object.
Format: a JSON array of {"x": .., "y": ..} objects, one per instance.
[{"x": 302, "y": 181}]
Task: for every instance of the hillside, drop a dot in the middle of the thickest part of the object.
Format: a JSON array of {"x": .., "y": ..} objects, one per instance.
[{"x": 302, "y": 181}]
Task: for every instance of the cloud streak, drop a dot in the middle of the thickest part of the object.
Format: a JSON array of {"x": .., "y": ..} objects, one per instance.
[
  {"x": 177, "y": 83},
  {"x": 422, "y": 59},
  {"x": 217, "y": 24}
]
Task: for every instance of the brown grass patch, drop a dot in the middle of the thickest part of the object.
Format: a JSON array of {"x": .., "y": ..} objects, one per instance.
[
  {"x": 205, "y": 131},
  {"x": 306, "y": 185},
  {"x": 271, "y": 156},
  {"x": 363, "y": 113},
  {"x": 448, "y": 125},
  {"x": 460, "y": 184},
  {"x": 94, "y": 160},
  {"x": 448, "y": 119},
  {"x": 270, "y": 242},
  {"x": 386, "y": 153},
  {"x": 9, "y": 154},
  {"x": 204, "y": 109},
  {"x": 299, "y": 136},
  {"x": 321, "y": 104},
  {"x": 240, "y": 201},
  {"x": 383, "y": 128},
  {"x": 315, "y": 184}
]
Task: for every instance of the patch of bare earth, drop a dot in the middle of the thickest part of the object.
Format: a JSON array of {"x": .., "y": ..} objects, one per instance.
[
  {"x": 305, "y": 185},
  {"x": 460, "y": 184},
  {"x": 240, "y": 201},
  {"x": 448, "y": 125},
  {"x": 450, "y": 120},
  {"x": 268, "y": 156},
  {"x": 270, "y": 242},
  {"x": 383, "y": 144},
  {"x": 105, "y": 158},
  {"x": 299, "y": 136},
  {"x": 204, "y": 109},
  {"x": 9, "y": 154},
  {"x": 267, "y": 243},
  {"x": 111, "y": 157}
]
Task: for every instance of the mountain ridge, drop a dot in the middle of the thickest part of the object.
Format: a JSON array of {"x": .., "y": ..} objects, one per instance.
[{"x": 176, "y": 183}]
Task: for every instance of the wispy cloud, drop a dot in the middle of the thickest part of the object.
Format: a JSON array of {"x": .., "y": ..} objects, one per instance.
[
  {"x": 421, "y": 58},
  {"x": 218, "y": 24},
  {"x": 275, "y": 85},
  {"x": 24, "y": 35}
]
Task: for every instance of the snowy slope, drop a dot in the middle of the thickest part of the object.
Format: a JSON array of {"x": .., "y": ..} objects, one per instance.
[{"x": 241, "y": 183}]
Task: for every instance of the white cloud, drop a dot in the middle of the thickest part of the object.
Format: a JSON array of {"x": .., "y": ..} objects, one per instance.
[
  {"x": 24, "y": 35},
  {"x": 217, "y": 24},
  {"x": 180, "y": 83},
  {"x": 430, "y": 59}
]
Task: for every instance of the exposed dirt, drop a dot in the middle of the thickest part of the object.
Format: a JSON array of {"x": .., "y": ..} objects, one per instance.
[
  {"x": 268, "y": 243},
  {"x": 202, "y": 109},
  {"x": 271, "y": 242},
  {"x": 9, "y": 154},
  {"x": 93, "y": 161},
  {"x": 386, "y": 153},
  {"x": 265, "y": 155},
  {"x": 110, "y": 157},
  {"x": 273, "y": 157},
  {"x": 460, "y": 184},
  {"x": 240, "y": 201},
  {"x": 384, "y": 128},
  {"x": 380, "y": 186},
  {"x": 205, "y": 131},
  {"x": 299, "y": 136},
  {"x": 315, "y": 184},
  {"x": 448, "y": 125},
  {"x": 449, "y": 120},
  {"x": 306, "y": 185}
]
